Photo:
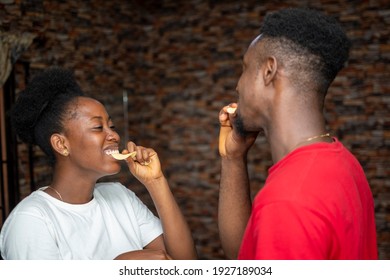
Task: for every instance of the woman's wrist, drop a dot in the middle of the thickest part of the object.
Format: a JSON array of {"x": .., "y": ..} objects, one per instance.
[{"x": 156, "y": 182}]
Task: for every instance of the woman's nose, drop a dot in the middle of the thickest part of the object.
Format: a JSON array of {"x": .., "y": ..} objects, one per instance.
[{"x": 113, "y": 136}]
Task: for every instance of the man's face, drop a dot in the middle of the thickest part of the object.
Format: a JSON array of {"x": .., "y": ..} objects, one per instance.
[{"x": 250, "y": 89}]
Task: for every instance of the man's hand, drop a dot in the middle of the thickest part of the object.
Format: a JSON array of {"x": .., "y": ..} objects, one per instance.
[{"x": 231, "y": 143}]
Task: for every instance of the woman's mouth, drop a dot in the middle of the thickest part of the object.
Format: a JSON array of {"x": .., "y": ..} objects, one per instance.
[
  {"x": 111, "y": 151},
  {"x": 118, "y": 156}
]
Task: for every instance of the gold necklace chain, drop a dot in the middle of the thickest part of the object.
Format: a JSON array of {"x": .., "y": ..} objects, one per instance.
[
  {"x": 318, "y": 136},
  {"x": 311, "y": 138},
  {"x": 49, "y": 187}
]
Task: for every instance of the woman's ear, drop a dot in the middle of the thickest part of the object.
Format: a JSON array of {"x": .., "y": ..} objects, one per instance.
[
  {"x": 270, "y": 69},
  {"x": 59, "y": 144}
]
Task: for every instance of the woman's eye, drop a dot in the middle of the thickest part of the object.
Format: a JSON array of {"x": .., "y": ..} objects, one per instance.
[
  {"x": 98, "y": 127},
  {"x": 112, "y": 127}
]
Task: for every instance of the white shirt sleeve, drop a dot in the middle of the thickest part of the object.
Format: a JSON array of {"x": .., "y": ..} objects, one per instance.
[
  {"x": 125, "y": 203},
  {"x": 28, "y": 237},
  {"x": 150, "y": 225}
]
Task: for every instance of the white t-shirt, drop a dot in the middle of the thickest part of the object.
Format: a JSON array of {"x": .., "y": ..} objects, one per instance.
[{"x": 113, "y": 222}]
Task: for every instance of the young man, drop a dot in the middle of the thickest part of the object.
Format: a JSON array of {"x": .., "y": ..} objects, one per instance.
[{"x": 316, "y": 202}]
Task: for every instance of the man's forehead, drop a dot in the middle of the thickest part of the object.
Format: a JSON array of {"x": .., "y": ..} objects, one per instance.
[
  {"x": 252, "y": 46},
  {"x": 256, "y": 40}
]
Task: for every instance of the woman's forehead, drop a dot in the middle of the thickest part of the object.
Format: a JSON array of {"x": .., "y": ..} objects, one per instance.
[{"x": 89, "y": 108}]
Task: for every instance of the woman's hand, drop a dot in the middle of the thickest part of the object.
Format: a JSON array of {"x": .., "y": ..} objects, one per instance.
[{"x": 146, "y": 166}]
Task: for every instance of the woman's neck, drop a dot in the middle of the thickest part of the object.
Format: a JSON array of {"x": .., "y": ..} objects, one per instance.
[{"x": 73, "y": 188}]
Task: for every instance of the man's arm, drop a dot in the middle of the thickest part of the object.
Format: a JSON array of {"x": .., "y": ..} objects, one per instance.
[
  {"x": 234, "y": 195},
  {"x": 234, "y": 206}
]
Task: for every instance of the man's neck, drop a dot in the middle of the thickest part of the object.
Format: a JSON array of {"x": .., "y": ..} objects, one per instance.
[{"x": 291, "y": 132}]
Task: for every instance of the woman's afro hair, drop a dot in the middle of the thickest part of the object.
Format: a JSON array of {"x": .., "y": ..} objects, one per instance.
[{"x": 39, "y": 109}]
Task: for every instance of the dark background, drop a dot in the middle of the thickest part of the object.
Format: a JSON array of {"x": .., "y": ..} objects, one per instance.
[{"x": 179, "y": 62}]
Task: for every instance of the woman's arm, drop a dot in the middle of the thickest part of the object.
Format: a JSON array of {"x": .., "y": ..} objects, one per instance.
[
  {"x": 155, "y": 250},
  {"x": 177, "y": 238}
]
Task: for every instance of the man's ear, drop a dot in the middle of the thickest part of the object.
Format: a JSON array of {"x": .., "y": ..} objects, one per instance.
[
  {"x": 269, "y": 70},
  {"x": 59, "y": 144}
]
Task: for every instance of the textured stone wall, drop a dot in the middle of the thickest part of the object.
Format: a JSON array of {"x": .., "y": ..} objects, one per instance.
[{"x": 180, "y": 61}]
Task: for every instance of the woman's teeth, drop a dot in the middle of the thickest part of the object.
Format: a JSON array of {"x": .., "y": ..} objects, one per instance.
[{"x": 110, "y": 152}]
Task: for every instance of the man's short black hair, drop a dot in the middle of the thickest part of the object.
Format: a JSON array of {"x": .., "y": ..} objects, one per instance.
[{"x": 315, "y": 33}]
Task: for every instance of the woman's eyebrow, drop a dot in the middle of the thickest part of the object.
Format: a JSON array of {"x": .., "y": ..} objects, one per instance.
[{"x": 100, "y": 118}]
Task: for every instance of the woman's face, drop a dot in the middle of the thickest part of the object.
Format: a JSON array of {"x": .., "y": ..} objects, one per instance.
[{"x": 90, "y": 135}]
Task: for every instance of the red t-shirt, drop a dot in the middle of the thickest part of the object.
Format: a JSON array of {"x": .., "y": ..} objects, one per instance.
[{"x": 316, "y": 204}]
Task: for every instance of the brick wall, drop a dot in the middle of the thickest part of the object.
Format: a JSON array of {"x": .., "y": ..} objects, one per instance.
[{"x": 180, "y": 61}]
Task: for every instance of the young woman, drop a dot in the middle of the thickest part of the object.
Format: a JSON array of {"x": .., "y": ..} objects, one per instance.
[{"x": 74, "y": 217}]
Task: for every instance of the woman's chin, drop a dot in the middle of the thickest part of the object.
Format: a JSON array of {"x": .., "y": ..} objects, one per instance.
[{"x": 113, "y": 171}]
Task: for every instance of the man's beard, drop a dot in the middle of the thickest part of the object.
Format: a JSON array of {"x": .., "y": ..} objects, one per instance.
[{"x": 239, "y": 126}]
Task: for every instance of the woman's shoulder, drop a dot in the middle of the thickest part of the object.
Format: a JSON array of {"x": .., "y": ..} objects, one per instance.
[{"x": 32, "y": 205}]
